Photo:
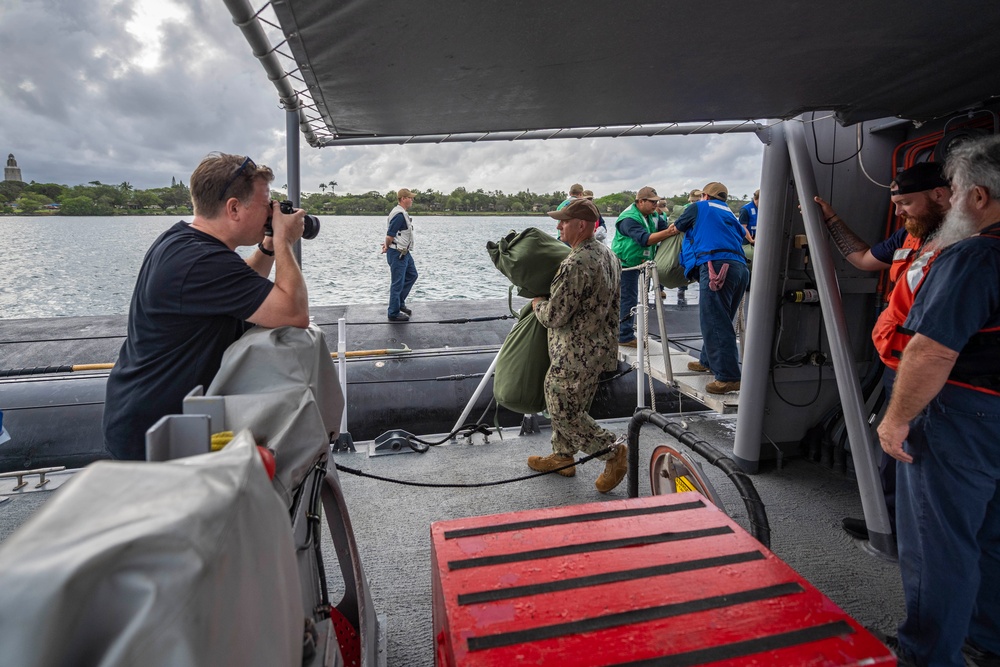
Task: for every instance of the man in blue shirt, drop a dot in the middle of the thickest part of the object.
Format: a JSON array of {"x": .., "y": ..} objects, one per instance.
[
  {"x": 748, "y": 217},
  {"x": 943, "y": 426},
  {"x": 714, "y": 253},
  {"x": 920, "y": 196},
  {"x": 397, "y": 247}
]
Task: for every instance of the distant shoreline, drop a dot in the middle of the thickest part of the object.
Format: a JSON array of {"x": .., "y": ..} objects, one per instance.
[{"x": 171, "y": 213}]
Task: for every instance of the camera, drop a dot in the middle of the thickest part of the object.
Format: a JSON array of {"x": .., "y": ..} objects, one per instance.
[{"x": 311, "y": 230}]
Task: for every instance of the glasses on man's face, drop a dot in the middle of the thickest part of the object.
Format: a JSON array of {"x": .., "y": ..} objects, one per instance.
[
  {"x": 246, "y": 161},
  {"x": 651, "y": 201}
]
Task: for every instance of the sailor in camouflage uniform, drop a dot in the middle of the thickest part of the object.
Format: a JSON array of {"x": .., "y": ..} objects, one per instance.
[{"x": 581, "y": 316}]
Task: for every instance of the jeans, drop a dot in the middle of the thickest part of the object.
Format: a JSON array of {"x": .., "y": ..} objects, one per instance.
[
  {"x": 404, "y": 274},
  {"x": 629, "y": 300},
  {"x": 948, "y": 518},
  {"x": 716, "y": 311}
]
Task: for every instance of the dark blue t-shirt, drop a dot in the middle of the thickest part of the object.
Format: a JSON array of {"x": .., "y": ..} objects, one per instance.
[
  {"x": 190, "y": 303},
  {"x": 884, "y": 250},
  {"x": 634, "y": 229},
  {"x": 960, "y": 295}
]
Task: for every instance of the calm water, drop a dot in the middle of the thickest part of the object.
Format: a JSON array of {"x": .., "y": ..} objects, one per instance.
[{"x": 68, "y": 266}]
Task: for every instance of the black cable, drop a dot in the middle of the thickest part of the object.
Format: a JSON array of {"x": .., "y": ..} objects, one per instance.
[
  {"x": 465, "y": 430},
  {"x": 352, "y": 471},
  {"x": 812, "y": 125},
  {"x": 463, "y": 320},
  {"x": 59, "y": 340},
  {"x": 443, "y": 378}
]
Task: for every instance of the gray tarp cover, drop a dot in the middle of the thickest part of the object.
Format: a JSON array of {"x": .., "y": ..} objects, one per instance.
[
  {"x": 282, "y": 385},
  {"x": 405, "y": 67},
  {"x": 188, "y": 562}
]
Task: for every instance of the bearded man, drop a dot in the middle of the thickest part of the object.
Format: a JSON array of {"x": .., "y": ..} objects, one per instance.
[
  {"x": 943, "y": 425},
  {"x": 921, "y": 196}
]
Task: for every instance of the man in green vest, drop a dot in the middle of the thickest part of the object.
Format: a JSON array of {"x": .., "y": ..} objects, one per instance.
[{"x": 637, "y": 232}]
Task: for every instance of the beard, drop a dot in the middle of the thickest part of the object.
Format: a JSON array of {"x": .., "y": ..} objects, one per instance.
[
  {"x": 922, "y": 226},
  {"x": 957, "y": 225}
]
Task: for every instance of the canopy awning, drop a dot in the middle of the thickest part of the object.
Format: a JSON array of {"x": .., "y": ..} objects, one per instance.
[{"x": 370, "y": 70}]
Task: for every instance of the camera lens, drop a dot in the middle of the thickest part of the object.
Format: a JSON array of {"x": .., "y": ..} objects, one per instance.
[{"x": 311, "y": 230}]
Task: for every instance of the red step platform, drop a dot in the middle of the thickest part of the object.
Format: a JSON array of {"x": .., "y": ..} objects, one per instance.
[{"x": 667, "y": 580}]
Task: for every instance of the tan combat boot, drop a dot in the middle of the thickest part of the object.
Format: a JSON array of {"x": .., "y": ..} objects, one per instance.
[
  {"x": 614, "y": 469},
  {"x": 551, "y": 462},
  {"x": 720, "y": 387}
]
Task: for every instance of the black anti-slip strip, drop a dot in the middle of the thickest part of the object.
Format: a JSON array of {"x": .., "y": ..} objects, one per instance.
[
  {"x": 749, "y": 647},
  {"x": 607, "y": 578},
  {"x": 632, "y": 617},
  {"x": 587, "y": 547},
  {"x": 576, "y": 518}
]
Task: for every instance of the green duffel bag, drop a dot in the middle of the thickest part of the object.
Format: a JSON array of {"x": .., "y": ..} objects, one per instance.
[
  {"x": 519, "y": 377},
  {"x": 529, "y": 259},
  {"x": 748, "y": 251},
  {"x": 668, "y": 262}
]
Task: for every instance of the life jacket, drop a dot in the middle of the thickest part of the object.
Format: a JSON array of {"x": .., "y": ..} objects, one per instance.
[
  {"x": 889, "y": 334},
  {"x": 628, "y": 251},
  {"x": 716, "y": 234},
  {"x": 902, "y": 257},
  {"x": 404, "y": 237}
]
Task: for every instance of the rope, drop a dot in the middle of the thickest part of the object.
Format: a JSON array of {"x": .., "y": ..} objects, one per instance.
[{"x": 359, "y": 473}]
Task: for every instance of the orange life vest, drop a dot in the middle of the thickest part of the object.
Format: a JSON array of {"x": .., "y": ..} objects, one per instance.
[
  {"x": 902, "y": 257},
  {"x": 908, "y": 273}
]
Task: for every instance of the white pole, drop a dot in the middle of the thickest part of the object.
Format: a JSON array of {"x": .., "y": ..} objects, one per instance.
[
  {"x": 640, "y": 330},
  {"x": 342, "y": 367},
  {"x": 476, "y": 394}
]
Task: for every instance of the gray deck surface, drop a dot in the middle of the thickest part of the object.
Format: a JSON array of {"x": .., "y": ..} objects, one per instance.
[{"x": 805, "y": 503}]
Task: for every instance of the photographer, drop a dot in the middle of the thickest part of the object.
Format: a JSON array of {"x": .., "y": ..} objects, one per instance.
[{"x": 194, "y": 296}]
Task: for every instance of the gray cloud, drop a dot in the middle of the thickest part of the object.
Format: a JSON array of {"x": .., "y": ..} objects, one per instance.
[{"x": 78, "y": 107}]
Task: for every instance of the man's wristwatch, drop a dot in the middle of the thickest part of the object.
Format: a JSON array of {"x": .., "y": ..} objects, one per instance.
[{"x": 269, "y": 253}]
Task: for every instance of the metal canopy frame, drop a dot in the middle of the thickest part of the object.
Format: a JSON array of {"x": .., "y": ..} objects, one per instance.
[{"x": 405, "y": 71}]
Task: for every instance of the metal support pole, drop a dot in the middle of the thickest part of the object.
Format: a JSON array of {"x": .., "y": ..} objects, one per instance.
[
  {"x": 668, "y": 371},
  {"x": 872, "y": 500},
  {"x": 292, "y": 166},
  {"x": 759, "y": 335},
  {"x": 640, "y": 339}
]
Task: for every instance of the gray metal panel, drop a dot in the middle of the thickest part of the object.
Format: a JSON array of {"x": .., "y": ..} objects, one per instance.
[{"x": 396, "y": 67}]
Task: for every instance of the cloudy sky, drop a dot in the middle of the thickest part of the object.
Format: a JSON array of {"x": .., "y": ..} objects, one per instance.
[{"x": 141, "y": 90}]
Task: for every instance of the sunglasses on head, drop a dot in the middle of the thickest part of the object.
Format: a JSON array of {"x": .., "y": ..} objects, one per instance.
[{"x": 246, "y": 161}]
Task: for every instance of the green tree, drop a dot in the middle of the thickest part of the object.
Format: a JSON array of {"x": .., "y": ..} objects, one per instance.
[
  {"x": 30, "y": 202},
  {"x": 11, "y": 190},
  {"x": 51, "y": 190},
  {"x": 146, "y": 199},
  {"x": 81, "y": 205}
]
